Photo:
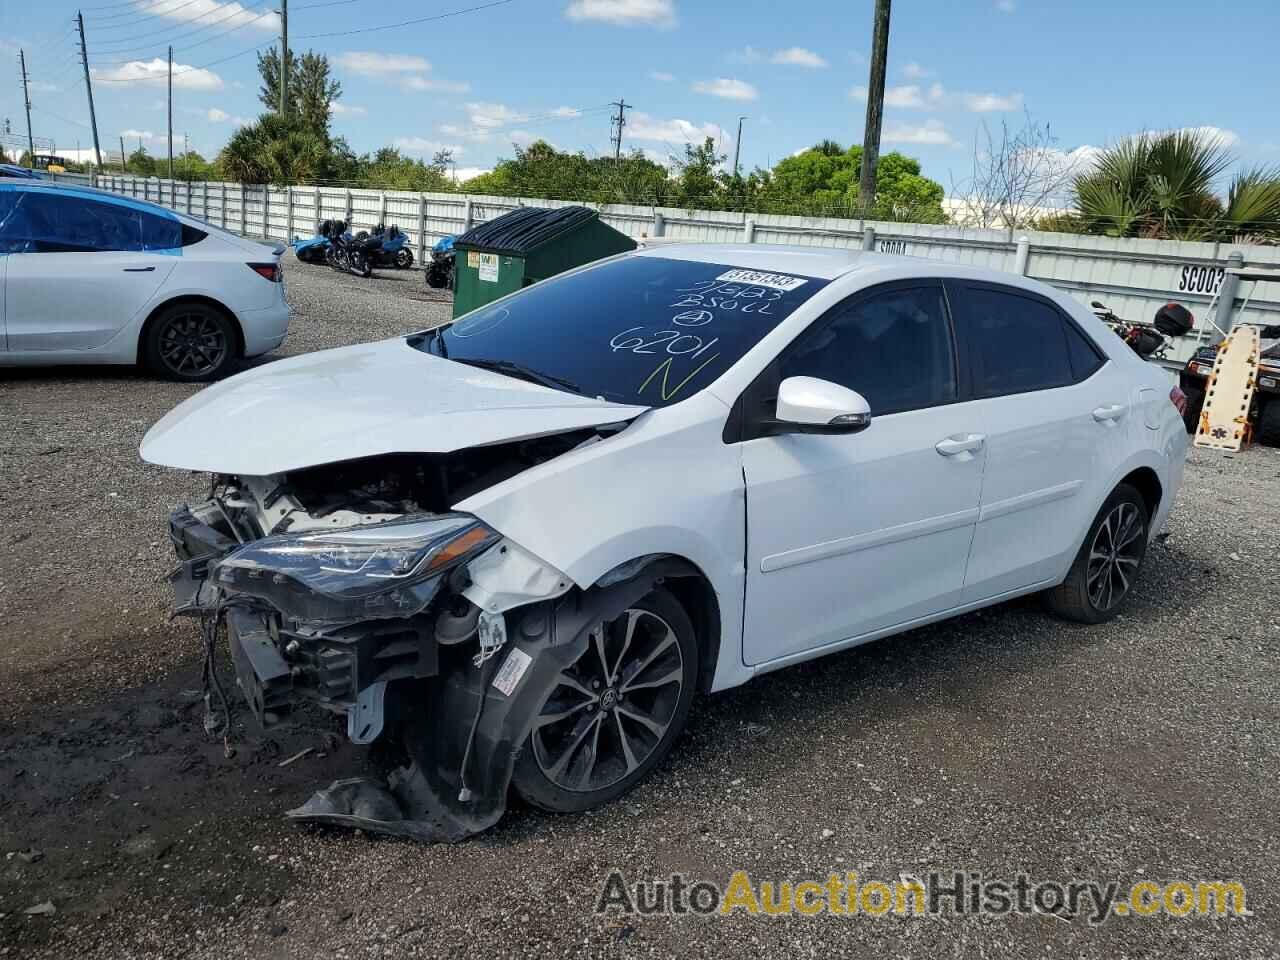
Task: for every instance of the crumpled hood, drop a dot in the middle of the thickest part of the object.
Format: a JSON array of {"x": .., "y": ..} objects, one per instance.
[{"x": 360, "y": 401}]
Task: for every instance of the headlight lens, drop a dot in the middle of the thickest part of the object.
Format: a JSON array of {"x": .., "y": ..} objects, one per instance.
[{"x": 361, "y": 561}]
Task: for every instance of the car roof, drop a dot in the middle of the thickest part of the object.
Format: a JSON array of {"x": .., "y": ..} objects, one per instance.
[{"x": 830, "y": 263}]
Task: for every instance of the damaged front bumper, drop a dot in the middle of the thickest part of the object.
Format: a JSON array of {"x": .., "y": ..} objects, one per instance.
[{"x": 454, "y": 660}]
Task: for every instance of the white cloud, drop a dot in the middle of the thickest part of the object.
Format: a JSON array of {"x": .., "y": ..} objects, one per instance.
[
  {"x": 642, "y": 126},
  {"x": 145, "y": 135},
  {"x": 214, "y": 115},
  {"x": 1225, "y": 138},
  {"x": 726, "y": 88},
  {"x": 490, "y": 116},
  {"x": 466, "y": 133},
  {"x": 418, "y": 84},
  {"x": 625, "y": 13},
  {"x": 931, "y": 133},
  {"x": 661, "y": 76},
  {"x": 914, "y": 71},
  {"x": 798, "y": 57},
  {"x": 208, "y": 13},
  {"x": 915, "y": 97},
  {"x": 373, "y": 64},
  {"x": 421, "y": 145},
  {"x": 348, "y": 110},
  {"x": 1006, "y": 6},
  {"x": 746, "y": 55},
  {"x": 566, "y": 112},
  {"x": 156, "y": 71},
  {"x": 991, "y": 102},
  {"x": 467, "y": 173}
]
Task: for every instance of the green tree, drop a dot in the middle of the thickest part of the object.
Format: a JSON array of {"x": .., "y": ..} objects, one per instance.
[
  {"x": 389, "y": 169},
  {"x": 697, "y": 179},
  {"x": 311, "y": 90},
  {"x": 540, "y": 170},
  {"x": 141, "y": 163},
  {"x": 824, "y": 179},
  {"x": 277, "y": 150}
]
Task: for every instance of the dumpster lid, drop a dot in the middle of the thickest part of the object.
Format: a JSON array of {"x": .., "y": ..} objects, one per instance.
[{"x": 525, "y": 229}]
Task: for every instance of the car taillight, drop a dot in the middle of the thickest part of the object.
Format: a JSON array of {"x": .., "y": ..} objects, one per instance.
[
  {"x": 270, "y": 271},
  {"x": 1179, "y": 401}
]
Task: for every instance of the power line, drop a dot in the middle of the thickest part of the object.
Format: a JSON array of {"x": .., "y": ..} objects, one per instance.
[
  {"x": 406, "y": 23},
  {"x": 190, "y": 46},
  {"x": 165, "y": 12},
  {"x": 189, "y": 33}
]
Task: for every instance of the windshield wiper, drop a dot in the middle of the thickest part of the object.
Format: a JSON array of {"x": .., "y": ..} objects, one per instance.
[
  {"x": 521, "y": 372},
  {"x": 427, "y": 338}
]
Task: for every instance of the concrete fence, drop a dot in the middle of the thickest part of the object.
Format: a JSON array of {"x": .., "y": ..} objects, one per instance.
[{"x": 1134, "y": 277}]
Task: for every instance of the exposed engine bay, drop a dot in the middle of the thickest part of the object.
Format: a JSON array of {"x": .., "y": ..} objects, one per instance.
[{"x": 356, "y": 587}]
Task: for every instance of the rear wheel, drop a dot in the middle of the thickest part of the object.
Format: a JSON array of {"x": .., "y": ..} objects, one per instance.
[
  {"x": 191, "y": 342},
  {"x": 404, "y": 258},
  {"x": 1269, "y": 422},
  {"x": 1108, "y": 563},
  {"x": 1195, "y": 403},
  {"x": 615, "y": 712}
]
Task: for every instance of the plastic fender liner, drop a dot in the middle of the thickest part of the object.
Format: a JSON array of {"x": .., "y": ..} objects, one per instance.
[{"x": 437, "y": 719}]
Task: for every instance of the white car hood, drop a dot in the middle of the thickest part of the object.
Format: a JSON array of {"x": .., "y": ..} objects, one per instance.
[{"x": 360, "y": 401}]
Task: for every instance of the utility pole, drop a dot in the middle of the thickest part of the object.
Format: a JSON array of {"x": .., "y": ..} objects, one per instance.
[
  {"x": 619, "y": 121},
  {"x": 124, "y": 157},
  {"x": 284, "y": 57},
  {"x": 875, "y": 108},
  {"x": 26, "y": 98},
  {"x": 88, "y": 86},
  {"x": 171, "y": 113},
  {"x": 737, "y": 147},
  {"x": 186, "y": 155}
]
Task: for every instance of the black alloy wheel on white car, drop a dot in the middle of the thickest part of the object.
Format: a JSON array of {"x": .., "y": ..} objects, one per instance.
[
  {"x": 191, "y": 342},
  {"x": 1105, "y": 569},
  {"x": 615, "y": 712}
]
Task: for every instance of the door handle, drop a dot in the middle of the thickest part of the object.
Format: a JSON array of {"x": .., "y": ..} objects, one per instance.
[
  {"x": 1113, "y": 411},
  {"x": 954, "y": 446},
  {"x": 138, "y": 269}
]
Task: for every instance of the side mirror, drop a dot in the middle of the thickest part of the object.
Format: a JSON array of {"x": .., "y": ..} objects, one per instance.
[{"x": 810, "y": 405}]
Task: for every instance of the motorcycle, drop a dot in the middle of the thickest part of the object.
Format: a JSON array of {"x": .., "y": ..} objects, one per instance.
[
  {"x": 440, "y": 271},
  {"x": 313, "y": 249},
  {"x": 1148, "y": 340},
  {"x": 352, "y": 254},
  {"x": 395, "y": 251}
]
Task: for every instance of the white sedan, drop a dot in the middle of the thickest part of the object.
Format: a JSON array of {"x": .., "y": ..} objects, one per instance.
[
  {"x": 90, "y": 277},
  {"x": 520, "y": 543}
]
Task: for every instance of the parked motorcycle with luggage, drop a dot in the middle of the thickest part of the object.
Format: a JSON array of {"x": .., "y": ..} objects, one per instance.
[
  {"x": 395, "y": 251},
  {"x": 1148, "y": 340},
  {"x": 440, "y": 271},
  {"x": 351, "y": 254}
]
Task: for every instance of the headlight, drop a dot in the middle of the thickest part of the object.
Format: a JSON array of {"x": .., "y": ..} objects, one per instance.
[{"x": 361, "y": 561}]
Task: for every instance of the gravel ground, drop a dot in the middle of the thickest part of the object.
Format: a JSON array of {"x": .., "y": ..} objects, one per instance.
[{"x": 999, "y": 742}]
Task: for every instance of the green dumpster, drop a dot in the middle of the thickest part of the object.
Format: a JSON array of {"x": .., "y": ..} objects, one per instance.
[{"x": 527, "y": 245}]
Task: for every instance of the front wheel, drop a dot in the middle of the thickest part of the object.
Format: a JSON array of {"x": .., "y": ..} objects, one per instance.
[
  {"x": 404, "y": 258},
  {"x": 191, "y": 342},
  {"x": 1108, "y": 563},
  {"x": 615, "y": 712}
]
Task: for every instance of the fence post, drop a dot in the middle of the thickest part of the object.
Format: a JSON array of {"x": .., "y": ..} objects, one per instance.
[
  {"x": 348, "y": 209},
  {"x": 244, "y": 215},
  {"x": 266, "y": 211},
  {"x": 749, "y": 231},
  {"x": 1227, "y": 297},
  {"x": 422, "y": 228},
  {"x": 1022, "y": 256},
  {"x": 659, "y": 224},
  {"x": 382, "y": 207},
  {"x": 315, "y": 204},
  {"x": 868, "y": 238},
  {"x": 466, "y": 214},
  {"x": 288, "y": 213}
]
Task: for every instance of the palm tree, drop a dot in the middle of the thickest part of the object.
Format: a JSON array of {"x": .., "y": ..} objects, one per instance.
[
  {"x": 275, "y": 149},
  {"x": 1162, "y": 186}
]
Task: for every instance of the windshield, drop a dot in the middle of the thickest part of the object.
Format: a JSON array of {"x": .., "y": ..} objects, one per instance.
[{"x": 640, "y": 329}]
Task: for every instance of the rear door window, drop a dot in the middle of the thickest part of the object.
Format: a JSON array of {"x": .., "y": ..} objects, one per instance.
[{"x": 1016, "y": 343}]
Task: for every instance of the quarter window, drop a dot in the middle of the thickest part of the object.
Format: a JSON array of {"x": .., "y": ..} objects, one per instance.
[
  {"x": 1016, "y": 344},
  {"x": 893, "y": 347}
]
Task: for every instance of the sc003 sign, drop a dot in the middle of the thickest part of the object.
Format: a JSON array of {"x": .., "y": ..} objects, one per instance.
[{"x": 1201, "y": 279}]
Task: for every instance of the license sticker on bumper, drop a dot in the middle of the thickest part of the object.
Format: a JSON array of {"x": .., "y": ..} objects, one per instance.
[{"x": 512, "y": 671}]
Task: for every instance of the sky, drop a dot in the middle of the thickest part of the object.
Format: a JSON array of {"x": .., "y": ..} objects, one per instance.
[{"x": 476, "y": 81}]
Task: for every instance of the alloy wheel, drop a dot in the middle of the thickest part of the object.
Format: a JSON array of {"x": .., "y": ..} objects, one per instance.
[
  {"x": 613, "y": 706},
  {"x": 1114, "y": 556},
  {"x": 193, "y": 344}
]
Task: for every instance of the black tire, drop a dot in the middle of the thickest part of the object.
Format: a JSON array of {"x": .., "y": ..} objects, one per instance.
[
  {"x": 190, "y": 342},
  {"x": 1108, "y": 562},
  {"x": 404, "y": 258},
  {"x": 614, "y": 764},
  {"x": 1268, "y": 426},
  {"x": 1195, "y": 403}
]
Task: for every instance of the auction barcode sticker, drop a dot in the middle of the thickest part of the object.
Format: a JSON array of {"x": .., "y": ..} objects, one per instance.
[
  {"x": 512, "y": 670},
  {"x": 774, "y": 281}
]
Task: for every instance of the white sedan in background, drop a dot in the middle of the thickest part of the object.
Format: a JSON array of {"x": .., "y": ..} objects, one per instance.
[
  {"x": 90, "y": 277},
  {"x": 521, "y": 542}
]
